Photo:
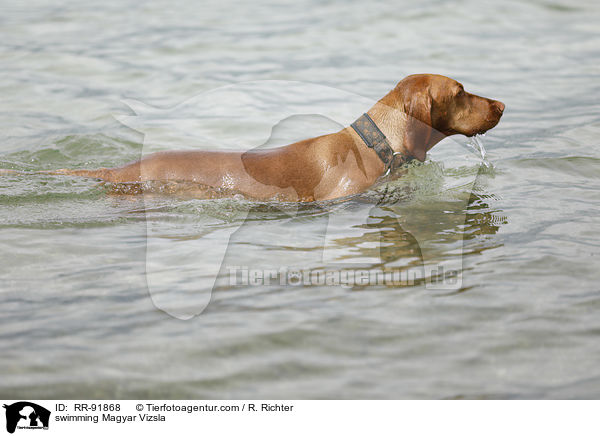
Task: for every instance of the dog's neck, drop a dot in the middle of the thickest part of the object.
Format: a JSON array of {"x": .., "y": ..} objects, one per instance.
[{"x": 392, "y": 123}]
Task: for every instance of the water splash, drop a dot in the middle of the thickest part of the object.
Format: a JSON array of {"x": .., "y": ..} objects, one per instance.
[{"x": 476, "y": 144}]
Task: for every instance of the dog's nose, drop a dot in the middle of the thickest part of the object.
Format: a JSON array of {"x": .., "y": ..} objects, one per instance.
[{"x": 499, "y": 105}]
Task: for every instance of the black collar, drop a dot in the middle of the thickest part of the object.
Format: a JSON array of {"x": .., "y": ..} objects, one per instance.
[{"x": 375, "y": 139}]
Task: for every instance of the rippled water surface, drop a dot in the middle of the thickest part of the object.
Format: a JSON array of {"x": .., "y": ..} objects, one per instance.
[{"x": 99, "y": 290}]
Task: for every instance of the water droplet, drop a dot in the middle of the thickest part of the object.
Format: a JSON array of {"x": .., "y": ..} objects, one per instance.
[{"x": 476, "y": 144}]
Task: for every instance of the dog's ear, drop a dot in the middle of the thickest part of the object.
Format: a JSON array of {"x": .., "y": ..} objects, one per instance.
[{"x": 418, "y": 124}]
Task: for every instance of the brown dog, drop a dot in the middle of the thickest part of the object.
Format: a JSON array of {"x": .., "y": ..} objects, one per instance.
[{"x": 419, "y": 112}]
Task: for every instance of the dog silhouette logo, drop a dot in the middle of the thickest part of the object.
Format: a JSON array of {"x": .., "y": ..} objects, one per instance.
[{"x": 26, "y": 415}]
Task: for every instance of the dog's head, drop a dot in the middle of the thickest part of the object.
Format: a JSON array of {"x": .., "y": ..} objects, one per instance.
[{"x": 436, "y": 107}]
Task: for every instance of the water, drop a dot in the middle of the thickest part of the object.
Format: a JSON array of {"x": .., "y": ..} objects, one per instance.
[
  {"x": 476, "y": 143},
  {"x": 89, "y": 277}
]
